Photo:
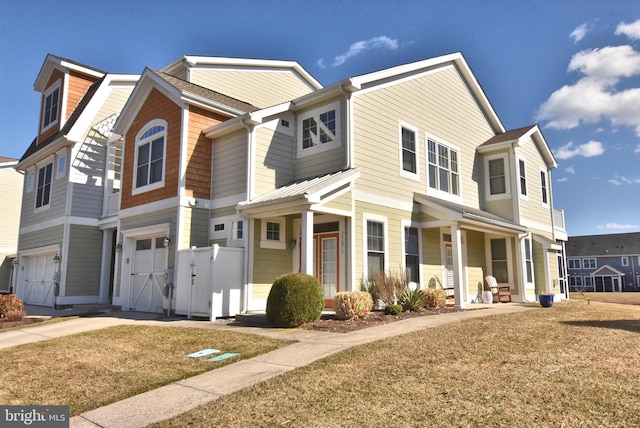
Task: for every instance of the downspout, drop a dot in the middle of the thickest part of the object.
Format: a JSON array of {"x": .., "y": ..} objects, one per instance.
[
  {"x": 348, "y": 164},
  {"x": 249, "y": 223},
  {"x": 514, "y": 177},
  {"x": 348, "y": 128}
]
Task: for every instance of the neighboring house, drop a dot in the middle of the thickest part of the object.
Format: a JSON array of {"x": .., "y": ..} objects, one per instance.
[
  {"x": 235, "y": 171},
  {"x": 604, "y": 262},
  {"x": 66, "y": 180},
  {"x": 11, "y": 184}
]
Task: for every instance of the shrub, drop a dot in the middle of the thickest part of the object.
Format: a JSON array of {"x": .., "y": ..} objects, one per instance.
[
  {"x": 384, "y": 288},
  {"x": 9, "y": 304},
  {"x": 352, "y": 304},
  {"x": 294, "y": 299},
  {"x": 413, "y": 300},
  {"x": 434, "y": 298},
  {"x": 393, "y": 309}
]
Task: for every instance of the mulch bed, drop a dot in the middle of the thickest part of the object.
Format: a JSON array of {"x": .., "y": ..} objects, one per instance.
[
  {"x": 24, "y": 322},
  {"x": 332, "y": 324}
]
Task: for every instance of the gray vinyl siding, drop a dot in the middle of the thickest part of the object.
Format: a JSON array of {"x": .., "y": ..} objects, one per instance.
[
  {"x": 274, "y": 160},
  {"x": 197, "y": 228},
  {"x": 83, "y": 261},
  {"x": 230, "y": 165},
  {"x": 437, "y": 104},
  {"x": 260, "y": 88},
  {"x": 149, "y": 219},
  {"x": 41, "y": 238},
  {"x": 223, "y": 212},
  {"x": 57, "y": 202},
  {"x": 5, "y": 272}
]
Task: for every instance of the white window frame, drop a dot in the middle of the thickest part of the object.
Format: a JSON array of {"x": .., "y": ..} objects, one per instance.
[
  {"x": 574, "y": 280},
  {"x": 404, "y": 225},
  {"x": 436, "y": 192},
  {"x": 589, "y": 279},
  {"x": 366, "y": 217},
  {"x": 544, "y": 190},
  {"x": 525, "y": 195},
  {"x": 487, "y": 178},
  {"x": 138, "y": 143},
  {"x": 624, "y": 260},
  {"x": 315, "y": 113},
  {"x": 49, "y": 92},
  {"x": 39, "y": 166},
  {"x": 528, "y": 260},
  {"x": 573, "y": 262},
  {"x": 403, "y": 172},
  {"x": 61, "y": 162},
  {"x": 279, "y": 244},
  {"x": 595, "y": 263},
  {"x": 235, "y": 229}
]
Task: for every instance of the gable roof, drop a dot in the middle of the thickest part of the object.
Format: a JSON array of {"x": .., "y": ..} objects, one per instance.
[
  {"x": 52, "y": 62},
  {"x": 517, "y": 137},
  {"x": 180, "y": 92},
  {"x": 604, "y": 245},
  {"x": 607, "y": 270},
  {"x": 36, "y": 146}
]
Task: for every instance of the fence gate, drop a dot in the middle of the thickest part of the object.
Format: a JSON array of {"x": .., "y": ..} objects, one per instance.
[{"x": 209, "y": 277}]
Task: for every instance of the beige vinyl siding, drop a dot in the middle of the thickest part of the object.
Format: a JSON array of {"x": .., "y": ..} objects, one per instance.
[
  {"x": 57, "y": 201},
  {"x": 538, "y": 266},
  {"x": 83, "y": 261},
  {"x": 476, "y": 262},
  {"x": 431, "y": 257},
  {"x": 501, "y": 207},
  {"x": 438, "y": 104},
  {"x": 342, "y": 202},
  {"x": 260, "y": 88},
  {"x": 230, "y": 165},
  {"x": 274, "y": 161},
  {"x": 553, "y": 269},
  {"x": 41, "y": 238},
  {"x": 532, "y": 212},
  {"x": 11, "y": 182},
  {"x": 327, "y": 161},
  {"x": 269, "y": 263}
]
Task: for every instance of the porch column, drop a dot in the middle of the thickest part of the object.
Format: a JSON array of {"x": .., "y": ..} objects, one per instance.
[
  {"x": 306, "y": 258},
  {"x": 458, "y": 269}
]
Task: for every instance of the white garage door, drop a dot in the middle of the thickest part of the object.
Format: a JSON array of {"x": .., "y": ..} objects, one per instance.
[
  {"x": 147, "y": 278},
  {"x": 38, "y": 280}
]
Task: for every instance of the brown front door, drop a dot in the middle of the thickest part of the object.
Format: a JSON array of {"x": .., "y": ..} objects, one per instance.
[{"x": 326, "y": 265}]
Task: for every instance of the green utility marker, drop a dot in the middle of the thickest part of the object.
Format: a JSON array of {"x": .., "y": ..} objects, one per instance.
[
  {"x": 223, "y": 356},
  {"x": 203, "y": 353}
]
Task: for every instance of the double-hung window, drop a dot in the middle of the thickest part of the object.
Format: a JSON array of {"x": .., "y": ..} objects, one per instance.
[
  {"x": 412, "y": 256},
  {"x": 319, "y": 130},
  {"x": 375, "y": 247},
  {"x": 408, "y": 152},
  {"x": 522, "y": 172},
  {"x": 544, "y": 187},
  {"x": 497, "y": 178},
  {"x": 51, "y": 106},
  {"x": 499, "y": 260},
  {"x": 43, "y": 191},
  {"x": 150, "y": 157},
  {"x": 589, "y": 263},
  {"x": 574, "y": 264},
  {"x": 444, "y": 168}
]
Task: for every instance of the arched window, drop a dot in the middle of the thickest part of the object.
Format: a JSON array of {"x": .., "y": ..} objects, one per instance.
[{"x": 150, "y": 156}]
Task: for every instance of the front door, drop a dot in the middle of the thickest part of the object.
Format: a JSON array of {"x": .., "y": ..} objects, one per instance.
[
  {"x": 147, "y": 277},
  {"x": 326, "y": 265}
]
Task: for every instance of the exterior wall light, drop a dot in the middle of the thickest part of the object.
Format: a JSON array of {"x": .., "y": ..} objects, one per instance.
[
  {"x": 56, "y": 259},
  {"x": 167, "y": 241}
]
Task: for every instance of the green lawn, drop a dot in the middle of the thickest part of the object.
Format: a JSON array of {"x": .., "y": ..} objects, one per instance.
[{"x": 575, "y": 364}]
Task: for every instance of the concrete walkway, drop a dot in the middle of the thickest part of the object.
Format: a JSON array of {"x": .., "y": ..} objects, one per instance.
[{"x": 182, "y": 396}]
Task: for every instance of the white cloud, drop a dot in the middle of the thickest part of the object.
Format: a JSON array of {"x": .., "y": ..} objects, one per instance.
[
  {"x": 637, "y": 150},
  {"x": 321, "y": 63},
  {"x": 610, "y": 62},
  {"x": 618, "y": 226},
  {"x": 562, "y": 180},
  {"x": 587, "y": 150},
  {"x": 630, "y": 30},
  {"x": 364, "y": 45},
  {"x": 579, "y": 33},
  {"x": 570, "y": 170}
]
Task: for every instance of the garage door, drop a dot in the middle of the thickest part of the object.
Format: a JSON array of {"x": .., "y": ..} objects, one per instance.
[
  {"x": 38, "y": 280},
  {"x": 147, "y": 278}
]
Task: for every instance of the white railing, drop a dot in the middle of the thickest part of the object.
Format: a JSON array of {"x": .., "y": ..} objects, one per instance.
[{"x": 559, "y": 227}]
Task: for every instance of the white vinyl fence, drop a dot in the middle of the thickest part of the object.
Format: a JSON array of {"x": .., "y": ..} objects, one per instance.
[{"x": 209, "y": 281}]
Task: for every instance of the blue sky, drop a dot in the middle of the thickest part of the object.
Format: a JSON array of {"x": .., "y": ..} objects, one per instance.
[{"x": 571, "y": 66}]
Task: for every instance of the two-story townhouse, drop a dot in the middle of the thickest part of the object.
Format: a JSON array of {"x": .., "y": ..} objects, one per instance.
[
  {"x": 604, "y": 262},
  {"x": 60, "y": 242},
  {"x": 166, "y": 195},
  {"x": 406, "y": 169},
  {"x": 11, "y": 183}
]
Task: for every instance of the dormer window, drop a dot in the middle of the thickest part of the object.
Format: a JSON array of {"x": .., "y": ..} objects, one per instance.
[
  {"x": 319, "y": 130},
  {"x": 51, "y": 106},
  {"x": 150, "y": 151}
]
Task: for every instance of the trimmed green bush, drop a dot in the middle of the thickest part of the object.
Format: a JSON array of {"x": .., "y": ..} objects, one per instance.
[
  {"x": 434, "y": 298},
  {"x": 11, "y": 307},
  {"x": 393, "y": 309},
  {"x": 294, "y": 299},
  {"x": 352, "y": 304}
]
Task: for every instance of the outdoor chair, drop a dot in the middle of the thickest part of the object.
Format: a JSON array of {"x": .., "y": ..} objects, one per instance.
[{"x": 501, "y": 293}]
